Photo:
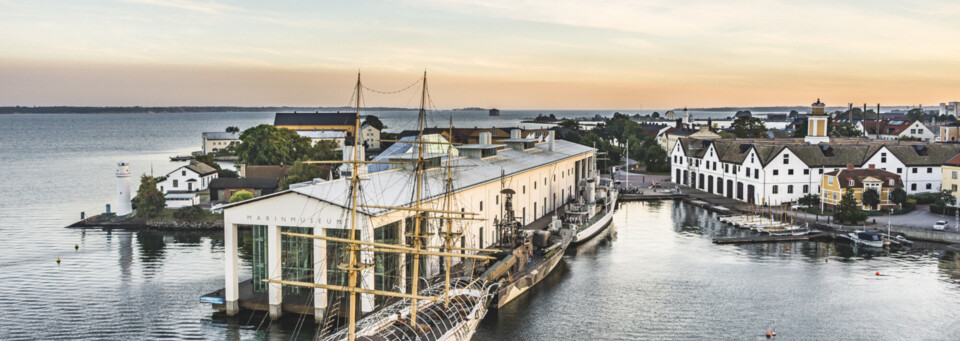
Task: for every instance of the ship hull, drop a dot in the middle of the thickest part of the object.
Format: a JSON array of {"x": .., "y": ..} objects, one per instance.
[
  {"x": 508, "y": 293},
  {"x": 589, "y": 232}
]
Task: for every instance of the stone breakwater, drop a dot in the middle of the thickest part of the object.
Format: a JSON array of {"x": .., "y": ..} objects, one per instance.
[{"x": 184, "y": 225}]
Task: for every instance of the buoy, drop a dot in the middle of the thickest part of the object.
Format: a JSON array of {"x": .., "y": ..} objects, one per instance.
[
  {"x": 58, "y": 260},
  {"x": 76, "y": 246},
  {"x": 826, "y": 260},
  {"x": 768, "y": 334},
  {"x": 774, "y": 333},
  {"x": 788, "y": 248},
  {"x": 878, "y": 273}
]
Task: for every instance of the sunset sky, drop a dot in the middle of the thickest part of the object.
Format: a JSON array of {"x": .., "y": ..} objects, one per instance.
[{"x": 511, "y": 54}]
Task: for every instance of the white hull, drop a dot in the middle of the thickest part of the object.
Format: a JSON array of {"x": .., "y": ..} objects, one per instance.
[{"x": 593, "y": 230}]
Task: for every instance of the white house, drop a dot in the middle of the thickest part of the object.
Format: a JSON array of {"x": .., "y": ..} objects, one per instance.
[
  {"x": 782, "y": 170},
  {"x": 892, "y": 130},
  {"x": 214, "y": 141},
  {"x": 190, "y": 178},
  {"x": 370, "y": 136},
  {"x": 337, "y": 136}
]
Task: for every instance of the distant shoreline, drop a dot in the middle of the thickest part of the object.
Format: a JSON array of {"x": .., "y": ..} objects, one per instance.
[{"x": 175, "y": 110}]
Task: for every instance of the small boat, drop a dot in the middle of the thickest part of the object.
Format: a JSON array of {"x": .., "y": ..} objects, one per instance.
[
  {"x": 870, "y": 239},
  {"x": 182, "y": 158}
]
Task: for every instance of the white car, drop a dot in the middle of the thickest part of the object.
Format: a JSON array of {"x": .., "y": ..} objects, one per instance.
[
  {"x": 799, "y": 207},
  {"x": 941, "y": 225}
]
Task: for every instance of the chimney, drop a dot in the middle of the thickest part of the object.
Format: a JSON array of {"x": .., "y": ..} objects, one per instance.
[
  {"x": 872, "y": 166},
  {"x": 485, "y": 138},
  {"x": 849, "y": 166},
  {"x": 551, "y": 140},
  {"x": 679, "y": 123},
  {"x": 515, "y": 134}
]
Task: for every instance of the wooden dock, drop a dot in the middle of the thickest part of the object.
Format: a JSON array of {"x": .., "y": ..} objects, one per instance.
[
  {"x": 770, "y": 239},
  {"x": 650, "y": 196}
]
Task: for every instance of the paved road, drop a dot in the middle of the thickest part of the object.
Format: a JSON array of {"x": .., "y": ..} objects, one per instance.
[{"x": 641, "y": 180}]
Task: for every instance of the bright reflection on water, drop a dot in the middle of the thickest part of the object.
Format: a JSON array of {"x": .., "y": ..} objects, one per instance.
[{"x": 657, "y": 275}]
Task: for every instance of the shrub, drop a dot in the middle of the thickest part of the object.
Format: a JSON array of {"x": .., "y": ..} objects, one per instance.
[
  {"x": 241, "y": 196},
  {"x": 189, "y": 213}
]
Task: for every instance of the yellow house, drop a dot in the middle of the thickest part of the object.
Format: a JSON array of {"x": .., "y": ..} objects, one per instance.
[
  {"x": 834, "y": 184},
  {"x": 317, "y": 121},
  {"x": 950, "y": 173}
]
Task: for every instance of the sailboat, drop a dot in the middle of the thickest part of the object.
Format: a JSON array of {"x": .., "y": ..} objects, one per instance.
[{"x": 443, "y": 310}]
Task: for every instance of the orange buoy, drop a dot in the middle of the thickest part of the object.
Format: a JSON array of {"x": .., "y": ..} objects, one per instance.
[
  {"x": 878, "y": 273},
  {"x": 788, "y": 248},
  {"x": 768, "y": 334},
  {"x": 58, "y": 260}
]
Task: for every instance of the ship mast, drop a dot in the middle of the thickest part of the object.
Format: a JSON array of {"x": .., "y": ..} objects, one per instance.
[{"x": 354, "y": 266}]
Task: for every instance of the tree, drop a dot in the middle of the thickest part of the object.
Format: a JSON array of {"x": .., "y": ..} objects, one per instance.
[
  {"x": 656, "y": 159},
  {"x": 301, "y": 172},
  {"x": 150, "y": 202},
  {"x": 915, "y": 114},
  {"x": 208, "y": 160},
  {"x": 898, "y": 196},
  {"x": 746, "y": 126},
  {"x": 871, "y": 198},
  {"x": 845, "y": 129},
  {"x": 809, "y": 200},
  {"x": 268, "y": 145},
  {"x": 655, "y": 115},
  {"x": 227, "y": 173},
  {"x": 848, "y": 209},
  {"x": 241, "y": 195},
  {"x": 569, "y": 124},
  {"x": 233, "y": 129},
  {"x": 943, "y": 198},
  {"x": 374, "y": 121},
  {"x": 801, "y": 130},
  {"x": 323, "y": 150}
]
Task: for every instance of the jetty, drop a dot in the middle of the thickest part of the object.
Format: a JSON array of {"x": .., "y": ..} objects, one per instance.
[{"x": 771, "y": 239}]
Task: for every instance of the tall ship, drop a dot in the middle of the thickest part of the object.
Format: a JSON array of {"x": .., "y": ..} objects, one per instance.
[
  {"x": 401, "y": 247},
  {"x": 592, "y": 209}
]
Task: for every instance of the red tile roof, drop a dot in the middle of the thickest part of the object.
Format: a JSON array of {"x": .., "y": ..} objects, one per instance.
[{"x": 857, "y": 175}]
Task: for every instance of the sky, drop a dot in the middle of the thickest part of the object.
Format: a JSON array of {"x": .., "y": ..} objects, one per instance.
[{"x": 510, "y": 54}]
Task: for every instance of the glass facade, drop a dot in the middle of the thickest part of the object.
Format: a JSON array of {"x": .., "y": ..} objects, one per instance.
[
  {"x": 296, "y": 255},
  {"x": 387, "y": 265}
]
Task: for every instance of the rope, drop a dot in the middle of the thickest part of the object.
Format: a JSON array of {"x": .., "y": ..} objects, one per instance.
[{"x": 396, "y": 91}]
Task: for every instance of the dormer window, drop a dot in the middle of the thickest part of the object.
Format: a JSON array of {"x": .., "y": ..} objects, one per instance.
[
  {"x": 891, "y": 182},
  {"x": 852, "y": 182}
]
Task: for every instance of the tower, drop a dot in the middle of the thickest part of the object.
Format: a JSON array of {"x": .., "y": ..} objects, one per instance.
[
  {"x": 687, "y": 114},
  {"x": 817, "y": 124},
  {"x": 123, "y": 189}
]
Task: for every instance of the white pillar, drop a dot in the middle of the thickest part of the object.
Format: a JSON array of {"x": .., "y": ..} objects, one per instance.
[
  {"x": 319, "y": 274},
  {"x": 274, "y": 271},
  {"x": 403, "y": 256},
  {"x": 231, "y": 287}
]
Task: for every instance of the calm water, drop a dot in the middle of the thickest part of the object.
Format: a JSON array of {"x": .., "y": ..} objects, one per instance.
[{"x": 656, "y": 275}]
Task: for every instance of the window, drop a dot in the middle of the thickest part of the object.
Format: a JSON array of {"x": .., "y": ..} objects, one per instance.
[
  {"x": 899, "y": 170},
  {"x": 806, "y": 171},
  {"x": 954, "y": 176},
  {"x": 929, "y": 170},
  {"x": 756, "y": 174},
  {"x": 481, "y": 206},
  {"x": 883, "y": 157},
  {"x": 953, "y": 188},
  {"x": 789, "y": 172},
  {"x": 534, "y": 185},
  {"x": 183, "y": 173},
  {"x": 789, "y": 189},
  {"x": 913, "y": 187},
  {"x": 821, "y": 170},
  {"x": 929, "y": 186},
  {"x": 834, "y": 196},
  {"x": 892, "y": 182},
  {"x": 806, "y": 188},
  {"x": 852, "y": 182},
  {"x": 913, "y": 131},
  {"x": 774, "y": 189},
  {"x": 786, "y": 159},
  {"x": 914, "y": 170},
  {"x": 175, "y": 185},
  {"x": 524, "y": 189},
  {"x": 496, "y": 200},
  {"x": 776, "y": 172},
  {"x": 830, "y": 181}
]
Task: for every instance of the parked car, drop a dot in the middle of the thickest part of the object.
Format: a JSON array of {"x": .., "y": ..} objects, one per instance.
[
  {"x": 941, "y": 225},
  {"x": 799, "y": 207}
]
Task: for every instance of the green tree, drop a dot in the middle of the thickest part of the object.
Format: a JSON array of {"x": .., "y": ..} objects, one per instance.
[
  {"x": 809, "y": 200},
  {"x": 915, "y": 114},
  {"x": 845, "y": 129},
  {"x": 323, "y": 150},
  {"x": 208, "y": 160},
  {"x": 748, "y": 127},
  {"x": 871, "y": 198},
  {"x": 233, "y": 129},
  {"x": 801, "y": 130},
  {"x": 241, "y": 196},
  {"x": 655, "y": 115},
  {"x": 655, "y": 159},
  {"x": 943, "y": 198},
  {"x": 227, "y": 173},
  {"x": 374, "y": 121},
  {"x": 268, "y": 145},
  {"x": 848, "y": 210},
  {"x": 898, "y": 196},
  {"x": 150, "y": 202},
  {"x": 301, "y": 172},
  {"x": 569, "y": 124}
]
